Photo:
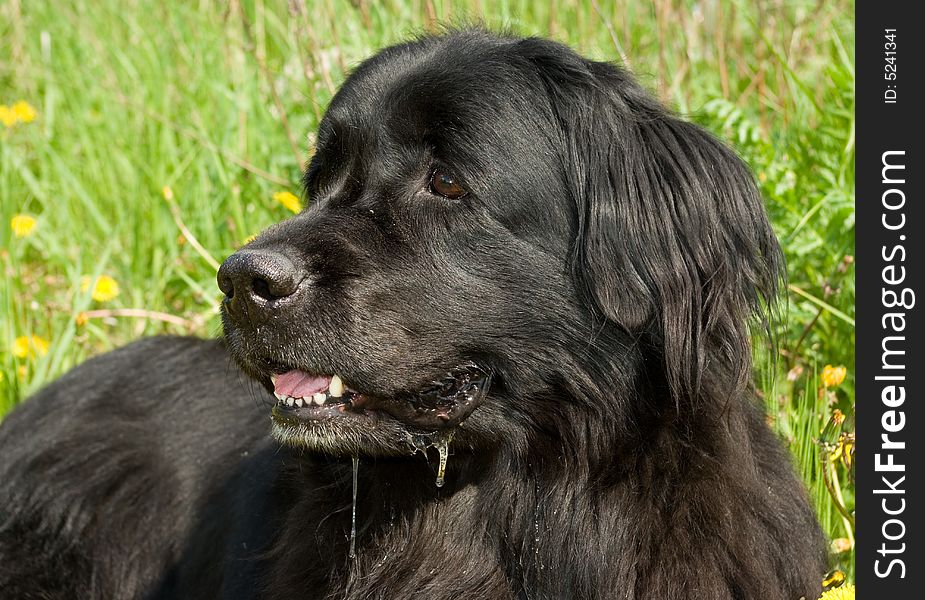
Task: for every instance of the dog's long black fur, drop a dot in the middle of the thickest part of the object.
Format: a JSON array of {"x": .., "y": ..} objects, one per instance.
[{"x": 600, "y": 257}]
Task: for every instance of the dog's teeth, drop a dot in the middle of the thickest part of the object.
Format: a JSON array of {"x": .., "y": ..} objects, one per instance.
[
  {"x": 279, "y": 396},
  {"x": 298, "y": 402},
  {"x": 318, "y": 398},
  {"x": 273, "y": 379},
  {"x": 336, "y": 388}
]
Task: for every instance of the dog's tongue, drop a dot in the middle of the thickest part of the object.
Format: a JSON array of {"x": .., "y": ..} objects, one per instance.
[{"x": 299, "y": 384}]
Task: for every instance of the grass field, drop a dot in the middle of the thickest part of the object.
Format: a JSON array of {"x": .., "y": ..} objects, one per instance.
[{"x": 161, "y": 135}]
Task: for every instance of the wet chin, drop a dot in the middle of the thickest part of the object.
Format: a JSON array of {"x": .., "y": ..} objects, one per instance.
[{"x": 377, "y": 435}]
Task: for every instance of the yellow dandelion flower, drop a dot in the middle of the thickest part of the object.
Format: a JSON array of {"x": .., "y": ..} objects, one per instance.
[
  {"x": 846, "y": 441},
  {"x": 22, "y": 225},
  {"x": 845, "y": 592},
  {"x": 24, "y": 111},
  {"x": 833, "y": 578},
  {"x": 843, "y": 450},
  {"x": 167, "y": 192},
  {"x": 105, "y": 288},
  {"x": 289, "y": 200},
  {"x": 833, "y": 376},
  {"x": 26, "y": 346},
  {"x": 21, "y": 347},
  {"x": 7, "y": 116},
  {"x": 81, "y": 319},
  {"x": 40, "y": 345}
]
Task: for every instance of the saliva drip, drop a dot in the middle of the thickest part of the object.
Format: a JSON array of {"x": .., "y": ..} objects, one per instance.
[
  {"x": 439, "y": 440},
  {"x": 353, "y": 516},
  {"x": 444, "y": 450}
]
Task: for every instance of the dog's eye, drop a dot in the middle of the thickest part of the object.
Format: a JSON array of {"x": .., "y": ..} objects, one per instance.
[{"x": 445, "y": 184}]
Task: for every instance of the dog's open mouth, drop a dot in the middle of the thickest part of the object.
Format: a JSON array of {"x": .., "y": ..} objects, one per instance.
[{"x": 304, "y": 398}]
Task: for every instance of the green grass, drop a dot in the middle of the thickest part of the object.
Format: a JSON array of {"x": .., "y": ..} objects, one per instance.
[{"x": 218, "y": 102}]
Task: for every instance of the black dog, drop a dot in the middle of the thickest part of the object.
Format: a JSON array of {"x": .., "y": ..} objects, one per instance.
[{"x": 520, "y": 298}]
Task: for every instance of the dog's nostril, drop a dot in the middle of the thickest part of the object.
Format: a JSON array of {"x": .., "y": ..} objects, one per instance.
[
  {"x": 225, "y": 283},
  {"x": 258, "y": 275},
  {"x": 262, "y": 289},
  {"x": 272, "y": 290}
]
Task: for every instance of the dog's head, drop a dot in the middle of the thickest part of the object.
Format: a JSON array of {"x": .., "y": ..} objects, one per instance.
[{"x": 501, "y": 235}]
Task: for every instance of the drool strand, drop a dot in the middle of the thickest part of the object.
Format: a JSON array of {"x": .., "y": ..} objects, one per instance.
[
  {"x": 444, "y": 449},
  {"x": 353, "y": 517}
]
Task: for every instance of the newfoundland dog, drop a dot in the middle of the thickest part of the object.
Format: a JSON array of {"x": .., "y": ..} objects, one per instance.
[{"x": 503, "y": 354}]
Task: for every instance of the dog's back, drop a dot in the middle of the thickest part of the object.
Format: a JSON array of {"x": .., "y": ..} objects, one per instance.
[{"x": 106, "y": 475}]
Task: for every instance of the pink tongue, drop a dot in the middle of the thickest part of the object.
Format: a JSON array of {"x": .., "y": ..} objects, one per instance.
[{"x": 299, "y": 384}]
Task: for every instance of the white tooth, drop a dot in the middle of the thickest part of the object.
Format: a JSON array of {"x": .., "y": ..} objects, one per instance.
[
  {"x": 298, "y": 402},
  {"x": 290, "y": 401},
  {"x": 336, "y": 388},
  {"x": 318, "y": 397},
  {"x": 279, "y": 396},
  {"x": 273, "y": 379}
]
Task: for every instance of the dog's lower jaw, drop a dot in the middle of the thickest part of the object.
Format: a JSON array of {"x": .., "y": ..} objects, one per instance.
[{"x": 394, "y": 426}]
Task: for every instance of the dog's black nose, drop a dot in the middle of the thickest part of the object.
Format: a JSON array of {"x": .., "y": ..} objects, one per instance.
[{"x": 258, "y": 276}]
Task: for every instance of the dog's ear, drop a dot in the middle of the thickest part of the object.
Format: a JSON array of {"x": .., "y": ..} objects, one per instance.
[{"x": 673, "y": 241}]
